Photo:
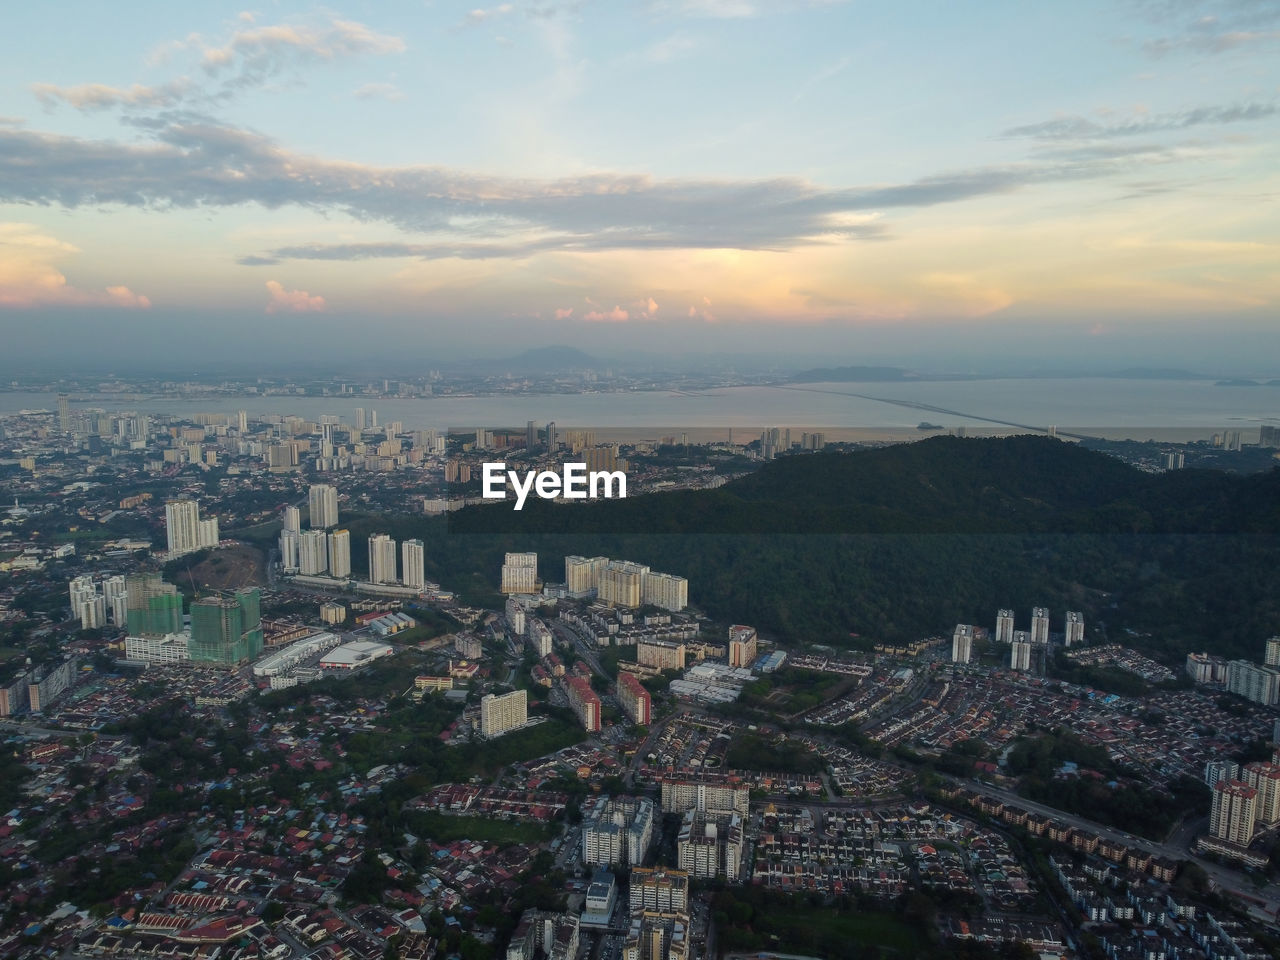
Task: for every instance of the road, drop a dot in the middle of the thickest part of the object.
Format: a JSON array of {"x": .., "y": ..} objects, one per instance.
[
  {"x": 29, "y": 730},
  {"x": 1233, "y": 881}
]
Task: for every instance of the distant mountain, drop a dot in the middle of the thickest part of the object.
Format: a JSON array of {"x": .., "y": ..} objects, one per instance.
[
  {"x": 536, "y": 362},
  {"x": 1154, "y": 373},
  {"x": 551, "y": 360},
  {"x": 853, "y": 375}
]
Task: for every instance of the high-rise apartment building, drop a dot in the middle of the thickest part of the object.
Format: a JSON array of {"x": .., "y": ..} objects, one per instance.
[
  {"x": 711, "y": 845},
  {"x": 742, "y": 645},
  {"x": 382, "y": 559},
  {"x": 657, "y": 936},
  {"x": 87, "y": 603},
  {"x": 291, "y": 520},
  {"x": 1234, "y": 812},
  {"x": 1271, "y": 653},
  {"x": 413, "y": 564},
  {"x": 1004, "y": 626},
  {"x": 962, "y": 643},
  {"x": 313, "y": 553},
  {"x": 155, "y": 607},
  {"x": 622, "y": 583},
  {"x": 1260, "y": 684},
  {"x": 340, "y": 554},
  {"x": 582, "y": 575},
  {"x": 634, "y": 699},
  {"x": 520, "y": 573},
  {"x": 1216, "y": 770},
  {"x": 680, "y": 795},
  {"x": 500, "y": 712},
  {"x": 660, "y": 654},
  {"x": 1020, "y": 651},
  {"x": 584, "y": 702},
  {"x": 1073, "y": 629},
  {"x": 116, "y": 593},
  {"x": 182, "y": 526},
  {"x": 1265, "y": 778},
  {"x": 64, "y": 413},
  {"x": 322, "y": 499},
  {"x": 619, "y": 832},
  {"x": 1040, "y": 625},
  {"x": 666, "y": 590},
  {"x": 659, "y": 890},
  {"x": 226, "y": 630}
]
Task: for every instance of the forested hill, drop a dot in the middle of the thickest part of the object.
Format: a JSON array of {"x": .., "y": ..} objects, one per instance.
[
  {"x": 906, "y": 541},
  {"x": 1020, "y": 484}
]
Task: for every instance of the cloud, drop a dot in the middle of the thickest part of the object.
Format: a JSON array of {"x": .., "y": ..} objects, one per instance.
[
  {"x": 193, "y": 163},
  {"x": 248, "y": 58},
  {"x": 669, "y": 48},
  {"x": 616, "y": 315},
  {"x": 88, "y": 97},
  {"x": 378, "y": 91},
  {"x": 564, "y": 313},
  {"x": 480, "y": 15},
  {"x": 1081, "y": 128},
  {"x": 292, "y": 301},
  {"x": 733, "y": 9},
  {"x": 649, "y": 308},
  {"x": 255, "y": 53},
  {"x": 124, "y": 297},
  {"x": 1210, "y": 26},
  {"x": 29, "y": 276}
]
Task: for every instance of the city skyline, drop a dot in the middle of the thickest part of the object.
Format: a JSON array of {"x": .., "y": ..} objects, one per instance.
[{"x": 1083, "y": 182}]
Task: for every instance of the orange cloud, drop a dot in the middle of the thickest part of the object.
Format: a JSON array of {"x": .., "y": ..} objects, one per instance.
[
  {"x": 292, "y": 301},
  {"x": 564, "y": 313},
  {"x": 616, "y": 315},
  {"x": 29, "y": 277}
]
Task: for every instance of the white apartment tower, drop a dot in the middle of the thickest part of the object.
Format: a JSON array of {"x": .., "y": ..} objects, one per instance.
[
  {"x": 1271, "y": 656},
  {"x": 520, "y": 573},
  {"x": 313, "y": 553},
  {"x": 1004, "y": 626},
  {"x": 1039, "y": 624},
  {"x": 340, "y": 553},
  {"x": 666, "y": 590},
  {"x": 413, "y": 564},
  {"x": 582, "y": 574},
  {"x": 962, "y": 643},
  {"x": 1020, "y": 651},
  {"x": 622, "y": 583},
  {"x": 500, "y": 712},
  {"x": 1073, "y": 629},
  {"x": 182, "y": 526},
  {"x": 1235, "y": 810},
  {"x": 290, "y": 549},
  {"x": 323, "y": 500},
  {"x": 382, "y": 559}
]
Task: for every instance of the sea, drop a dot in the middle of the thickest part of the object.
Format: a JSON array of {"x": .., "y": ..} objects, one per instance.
[{"x": 1115, "y": 408}]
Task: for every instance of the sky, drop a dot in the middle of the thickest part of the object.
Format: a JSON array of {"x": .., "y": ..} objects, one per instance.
[{"x": 958, "y": 185}]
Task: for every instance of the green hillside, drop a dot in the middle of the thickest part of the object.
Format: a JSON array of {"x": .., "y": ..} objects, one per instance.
[{"x": 905, "y": 541}]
